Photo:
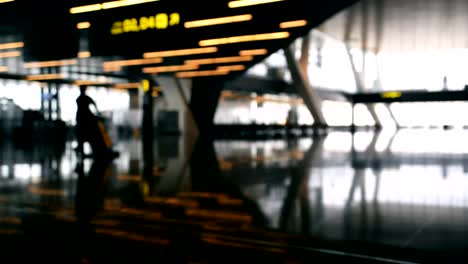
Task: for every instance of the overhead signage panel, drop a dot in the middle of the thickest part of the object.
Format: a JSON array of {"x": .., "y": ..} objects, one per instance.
[
  {"x": 160, "y": 21},
  {"x": 131, "y": 31}
]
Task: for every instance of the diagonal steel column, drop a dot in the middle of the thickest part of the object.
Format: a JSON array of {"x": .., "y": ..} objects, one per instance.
[
  {"x": 347, "y": 37},
  {"x": 379, "y": 22},
  {"x": 360, "y": 87},
  {"x": 302, "y": 84}
]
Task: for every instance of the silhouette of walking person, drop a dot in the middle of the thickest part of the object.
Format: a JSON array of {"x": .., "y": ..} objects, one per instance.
[{"x": 90, "y": 129}]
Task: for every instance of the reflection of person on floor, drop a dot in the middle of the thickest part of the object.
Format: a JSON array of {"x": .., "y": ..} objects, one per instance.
[
  {"x": 89, "y": 128},
  {"x": 292, "y": 120},
  {"x": 91, "y": 190}
]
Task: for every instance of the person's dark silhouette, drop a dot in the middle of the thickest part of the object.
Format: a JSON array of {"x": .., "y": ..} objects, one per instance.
[
  {"x": 91, "y": 190},
  {"x": 87, "y": 127}
]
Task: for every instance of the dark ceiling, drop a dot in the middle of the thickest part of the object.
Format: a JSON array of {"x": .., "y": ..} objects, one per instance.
[{"x": 49, "y": 32}]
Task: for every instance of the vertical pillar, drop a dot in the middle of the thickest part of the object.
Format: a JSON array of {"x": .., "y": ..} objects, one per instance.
[
  {"x": 42, "y": 100},
  {"x": 147, "y": 129},
  {"x": 301, "y": 82},
  {"x": 49, "y": 101},
  {"x": 58, "y": 110},
  {"x": 45, "y": 91},
  {"x": 176, "y": 92},
  {"x": 191, "y": 130},
  {"x": 203, "y": 103}
]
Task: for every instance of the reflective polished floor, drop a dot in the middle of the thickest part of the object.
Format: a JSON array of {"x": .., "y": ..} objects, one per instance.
[{"x": 368, "y": 197}]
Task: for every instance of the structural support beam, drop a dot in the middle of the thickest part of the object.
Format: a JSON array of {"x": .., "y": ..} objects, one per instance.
[
  {"x": 204, "y": 101},
  {"x": 358, "y": 77},
  {"x": 302, "y": 84},
  {"x": 177, "y": 92},
  {"x": 148, "y": 129},
  {"x": 379, "y": 21},
  {"x": 191, "y": 129}
]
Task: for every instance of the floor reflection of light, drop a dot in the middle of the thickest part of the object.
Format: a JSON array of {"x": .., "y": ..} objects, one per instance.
[
  {"x": 87, "y": 164},
  {"x": 362, "y": 140},
  {"x": 65, "y": 169},
  {"x": 338, "y": 141},
  {"x": 431, "y": 141},
  {"x": 269, "y": 199},
  {"x": 424, "y": 186},
  {"x": 385, "y": 139},
  {"x": 22, "y": 171},
  {"x": 35, "y": 172},
  {"x": 5, "y": 170},
  {"x": 411, "y": 185},
  {"x": 304, "y": 143},
  {"x": 336, "y": 185}
]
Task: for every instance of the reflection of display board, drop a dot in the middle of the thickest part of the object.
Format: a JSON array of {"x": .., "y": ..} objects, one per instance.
[
  {"x": 49, "y": 32},
  {"x": 133, "y": 30},
  {"x": 168, "y": 122},
  {"x": 134, "y": 99},
  {"x": 168, "y": 147}
]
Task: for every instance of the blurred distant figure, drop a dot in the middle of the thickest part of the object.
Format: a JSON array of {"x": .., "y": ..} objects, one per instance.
[
  {"x": 293, "y": 118},
  {"x": 89, "y": 128},
  {"x": 445, "y": 84}
]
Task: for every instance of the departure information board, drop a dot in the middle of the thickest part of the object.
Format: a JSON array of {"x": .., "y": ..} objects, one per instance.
[
  {"x": 133, "y": 30},
  {"x": 160, "y": 21}
]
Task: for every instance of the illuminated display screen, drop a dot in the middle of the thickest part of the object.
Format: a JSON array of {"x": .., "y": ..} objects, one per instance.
[
  {"x": 391, "y": 94},
  {"x": 157, "y": 26},
  {"x": 159, "y": 21},
  {"x": 133, "y": 30}
]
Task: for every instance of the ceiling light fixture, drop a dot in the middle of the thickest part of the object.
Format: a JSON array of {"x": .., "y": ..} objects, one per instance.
[
  {"x": 11, "y": 45},
  {"x": 43, "y": 77},
  {"x": 112, "y": 69},
  {"x": 84, "y": 54},
  {"x": 190, "y": 74},
  {"x": 245, "y": 38},
  {"x": 253, "y": 52},
  {"x": 217, "y": 21},
  {"x": 121, "y": 3},
  {"x": 181, "y": 52},
  {"x": 84, "y": 9},
  {"x": 292, "y": 24},
  {"x": 6, "y": 1},
  {"x": 10, "y": 54},
  {"x": 83, "y": 25},
  {"x": 127, "y": 85},
  {"x": 219, "y": 60},
  {"x": 107, "y": 5},
  {"x": 174, "y": 68},
  {"x": 231, "y": 68},
  {"x": 122, "y": 63},
  {"x": 44, "y": 64},
  {"x": 90, "y": 82},
  {"x": 242, "y": 3}
]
